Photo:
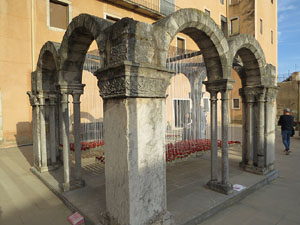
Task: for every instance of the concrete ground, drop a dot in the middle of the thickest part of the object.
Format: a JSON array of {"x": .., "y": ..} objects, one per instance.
[
  {"x": 26, "y": 200},
  {"x": 275, "y": 204}
]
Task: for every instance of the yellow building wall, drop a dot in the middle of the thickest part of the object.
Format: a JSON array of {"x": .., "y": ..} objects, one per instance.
[
  {"x": 16, "y": 66},
  {"x": 267, "y": 11},
  {"x": 214, "y": 6}
]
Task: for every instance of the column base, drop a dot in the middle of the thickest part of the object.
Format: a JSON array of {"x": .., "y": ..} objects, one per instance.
[
  {"x": 73, "y": 185},
  {"x": 220, "y": 187},
  {"x": 46, "y": 168},
  {"x": 164, "y": 219},
  {"x": 256, "y": 169}
]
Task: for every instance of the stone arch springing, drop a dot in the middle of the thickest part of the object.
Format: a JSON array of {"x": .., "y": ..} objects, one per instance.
[
  {"x": 81, "y": 32},
  {"x": 214, "y": 47},
  {"x": 257, "y": 92},
  {"x": 246, "y": 49},
  {"x": 47, "y": 67},
  {"x": 45, "y": 108},
  {"x": 203, "y": 30}
]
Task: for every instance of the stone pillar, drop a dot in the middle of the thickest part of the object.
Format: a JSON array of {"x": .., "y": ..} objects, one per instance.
[
  {"x": 245, "y": 129},
  {"x": 52, "y": 129},
  {"x": 65, "y": 137},
  {"x": 260, "y": 129},
  {"x": 213, "y": 87},
  {"x": 134, "y": 115},
  {"x": 225, "y": 130},
  {"x": 34, "y": 102},
  {"x": 248, "y": 148},
  {"x": 270, "y": 127},
  {"x": 214, "y": 137},
  {"x": 256, "y": 117},
  {"x": 43, "y": 143},
  {"x": 77, "y": 138}
]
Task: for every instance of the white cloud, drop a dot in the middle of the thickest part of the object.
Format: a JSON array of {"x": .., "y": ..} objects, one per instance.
[{"x": 285, "y": 8}]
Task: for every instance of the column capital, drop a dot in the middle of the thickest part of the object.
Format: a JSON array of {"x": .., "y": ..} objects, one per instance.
[
  {"x": 271, "y": 94},
  {"x": 253, "y": 94},
  {"x": 133, "y": 80},
  {"x": 33, "y": 99},
  {"x": 219, "y": 85},
  {"x": 71, "y": 88},
  {"x": 76, "y": 97}
]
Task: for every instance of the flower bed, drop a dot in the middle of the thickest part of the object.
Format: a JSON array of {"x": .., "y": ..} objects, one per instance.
[
  {"x": 182, "y": 150},
  {"x": 86, "y": 145}
]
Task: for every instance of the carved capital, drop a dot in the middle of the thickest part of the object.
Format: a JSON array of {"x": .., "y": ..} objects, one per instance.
[
  {"x": 253, "y": 94},
  {"x": 271, "y": 94},
  {"x": 130, "y": 80},
  {"x": 219, "y": 85},
  {"x": 32, "y": 99}
]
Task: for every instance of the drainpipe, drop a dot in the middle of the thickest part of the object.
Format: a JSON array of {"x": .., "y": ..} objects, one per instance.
[{"x": 33, "y": 34}]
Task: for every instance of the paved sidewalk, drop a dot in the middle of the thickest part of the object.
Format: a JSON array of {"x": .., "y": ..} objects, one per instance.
[
  {"x": 24, "y": 199},
  {"x": 275, "y": 204}
]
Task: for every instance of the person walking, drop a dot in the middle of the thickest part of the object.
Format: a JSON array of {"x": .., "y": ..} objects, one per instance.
[{"x": 286, "y": 121}]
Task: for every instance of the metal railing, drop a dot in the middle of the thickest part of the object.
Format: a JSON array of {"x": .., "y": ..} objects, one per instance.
[{"x": 162, "y": 6}]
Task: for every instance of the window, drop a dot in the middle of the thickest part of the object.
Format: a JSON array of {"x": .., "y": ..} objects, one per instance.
[
  {"x": 224, "y": 25},
  {"x": 59, "y": 14},
  {"x": 181, "y": 107},
  {"x": 261, "y": 26},
  {"x": 207, "y": 12},
  {"x": 111, "y": 18},
  {"x": 271, "y": 37},
  {"x": 222, "y": 2},
  {"x": 206, "y": 104},
  {"x": 180, "y": 46},
  {"x": 234, "y": 26},
  {"x": 235, "y": 103}
]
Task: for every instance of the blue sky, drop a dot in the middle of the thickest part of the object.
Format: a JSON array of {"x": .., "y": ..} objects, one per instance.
[{"x": 288, "y": 36}]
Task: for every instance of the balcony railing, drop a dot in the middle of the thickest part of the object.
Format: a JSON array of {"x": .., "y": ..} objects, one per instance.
[{"x": 153, "y": 8}]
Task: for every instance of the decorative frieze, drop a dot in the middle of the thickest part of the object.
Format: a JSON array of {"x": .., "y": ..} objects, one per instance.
[{"x": 128, "y": 80}]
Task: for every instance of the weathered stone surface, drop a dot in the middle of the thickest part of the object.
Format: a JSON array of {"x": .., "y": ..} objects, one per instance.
[
  {"x": 131, "y": 80},
  {"x": 135, "y": 164}
]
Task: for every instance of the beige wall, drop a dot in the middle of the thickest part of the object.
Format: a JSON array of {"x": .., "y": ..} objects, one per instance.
[
  {"x": 267, "y": 11},
  {"x": 214, "y": 6},
  {"x": 15, "y": 64}
]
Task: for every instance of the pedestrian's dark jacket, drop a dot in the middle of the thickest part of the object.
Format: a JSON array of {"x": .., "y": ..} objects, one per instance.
[{"x": 286, "y": 122}]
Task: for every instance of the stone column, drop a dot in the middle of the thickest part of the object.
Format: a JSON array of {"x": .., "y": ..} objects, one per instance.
[
  {"x": 43, "y": 143},
  {"x": 214, "y": 137},
  {"x": 255, "y": 124},
  {"x": 52, "y": 129},
  {"x": 249, "y": 128},
  {"x": 77, "y": 138},
  {"x": 225, "y": 130},
  {"x": 34, "y": 102},
  {"x": 245, "y": 129},
  {"x": 270, "y": 122},
  {"x": 213, "y": 87},
  {"x": 260, "y": 128},
  {"x": 66, "y": 145},
  {"x": 134, "y": 130}
]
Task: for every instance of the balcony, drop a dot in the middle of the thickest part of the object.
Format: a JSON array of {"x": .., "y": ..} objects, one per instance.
[{"x": 155, "y": 9}]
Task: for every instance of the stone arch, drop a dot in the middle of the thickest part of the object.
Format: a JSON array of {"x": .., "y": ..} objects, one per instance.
[
  {"x": 251, "y": 56},
  {"x": 47, "y": 67},
  {"x": 81, "y": 32},
  {"x": 203, "y": 30}
]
